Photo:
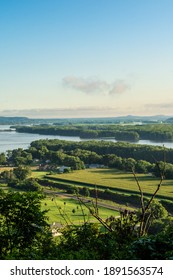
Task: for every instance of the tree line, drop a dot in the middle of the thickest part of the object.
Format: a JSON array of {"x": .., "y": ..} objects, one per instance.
[
  {"x": 78, "y": 155},
  {"x": 155, "y": 132}
]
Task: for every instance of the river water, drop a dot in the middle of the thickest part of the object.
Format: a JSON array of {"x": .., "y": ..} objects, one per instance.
[{"x": 10, "y": 140}]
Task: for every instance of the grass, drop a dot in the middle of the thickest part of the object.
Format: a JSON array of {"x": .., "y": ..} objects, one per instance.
[
  {"x": 70, "y": 204},
  {"x": 66, "y": 206},
  {"x": 111, "y": 178},
  {"x": 38, "y": 174},
  {"x": 5, "y": 168},
  {"x": 117, "y": 179}
]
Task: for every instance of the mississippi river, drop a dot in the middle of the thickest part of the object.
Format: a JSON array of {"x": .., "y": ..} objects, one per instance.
[{"x": 10, "y": 140}]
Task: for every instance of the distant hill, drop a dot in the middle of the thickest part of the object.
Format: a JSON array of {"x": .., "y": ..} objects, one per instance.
[
  {"x": 170, "y": 120},
  {"x": 131, "y": 118},
  {"x": 64, "y": 121},
  {"x": 13, "y": 120}
]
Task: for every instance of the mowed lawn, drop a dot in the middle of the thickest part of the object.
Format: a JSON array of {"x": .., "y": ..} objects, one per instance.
[
  {"x": 117, "y": 179},
  {"x": 68, "y": 210}
]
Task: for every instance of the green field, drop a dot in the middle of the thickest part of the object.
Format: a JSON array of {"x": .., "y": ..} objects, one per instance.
[
  {"x": 67, "y": 205},
  {"x": 113, "y": 178},
  {"x": 60, "y": 210},
  {"x": 110, "y": 178}
]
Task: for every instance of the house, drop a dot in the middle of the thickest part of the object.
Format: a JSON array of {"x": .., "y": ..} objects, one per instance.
[
  {"x": 47, "y": 167},
  {"x": 63, "y": 168},
  {"x": 55, "y": 229}
]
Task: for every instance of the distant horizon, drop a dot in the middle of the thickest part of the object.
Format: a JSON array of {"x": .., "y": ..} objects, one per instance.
[{"x": 86, "y": 117}]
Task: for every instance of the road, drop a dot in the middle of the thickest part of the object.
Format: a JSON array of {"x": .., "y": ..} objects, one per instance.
[{"x": 99, "y": 203}]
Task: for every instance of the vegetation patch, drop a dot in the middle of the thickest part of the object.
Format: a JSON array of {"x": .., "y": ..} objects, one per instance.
[
  {"x": 69, "y": 211},
  {"x": 112, "y": 178}
]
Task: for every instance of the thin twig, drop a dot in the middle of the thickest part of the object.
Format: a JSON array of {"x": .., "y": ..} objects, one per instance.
[
  {"x": 81, "y": 208},
  {"x": 95, "y": 215},
  {"x": 141, "y": 192}
]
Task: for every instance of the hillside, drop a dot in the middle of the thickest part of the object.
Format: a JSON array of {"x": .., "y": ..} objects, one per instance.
[{"x": 101, "y": 120}]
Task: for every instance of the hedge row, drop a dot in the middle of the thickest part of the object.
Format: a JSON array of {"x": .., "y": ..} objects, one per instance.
[
  {"x": 130, "y": 200},
  {"x": 133, "y": 199}
]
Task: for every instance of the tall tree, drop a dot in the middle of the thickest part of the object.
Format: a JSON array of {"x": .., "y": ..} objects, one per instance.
[{"x": 23, "y": 226}]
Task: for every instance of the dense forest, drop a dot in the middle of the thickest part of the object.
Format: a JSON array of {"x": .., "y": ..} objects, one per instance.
[
  {"x": 134, "y": 133},
  {"x": 121, "y": 155}
]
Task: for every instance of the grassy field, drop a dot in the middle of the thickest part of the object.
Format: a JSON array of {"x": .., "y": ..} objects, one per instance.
[
  {"x": 68, "y": 209},
  {"x": 38, "y": 174},
  {"x": 113, "y": 178},
  {"x": 67, "y": 205},
  {"x": 5, "y": 168}
]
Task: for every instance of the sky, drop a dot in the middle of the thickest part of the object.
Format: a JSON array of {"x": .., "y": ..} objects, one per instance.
[{"x": 86, "y": 58}]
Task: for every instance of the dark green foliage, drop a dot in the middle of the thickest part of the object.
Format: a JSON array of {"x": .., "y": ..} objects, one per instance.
[
  {"x": 24, "y": 234},
  {"x": 21, "y": 172},
  {"x": 7, "y": 176},
  {"x": 168, "y": 205},
  {"x": 3, "y": 160},
  {"x": 166, "y": 169},
  {"x": 88, "y": 242},
  {"x": 74, "y": 162},
  {"x": 19, "y": 157},
  {"x": 155, "y": 132},
  {"x": 158, "y": 247},
  {"x": 30, "y": 184},
  {"x": 123, "y": 226},
  {"x": 120, "y": 155},
  {"x": 23, "y": 226},
  {"x": 148, "y": 153},
  {"x": 62, "y": 186},
  {"x": 85, "y": 191},
  {"x": 159, "y": 225},
  {"x": 79, "y": 242}
]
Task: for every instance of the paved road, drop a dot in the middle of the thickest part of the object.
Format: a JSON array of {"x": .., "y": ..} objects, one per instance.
[{"x": 102, "y": 204}]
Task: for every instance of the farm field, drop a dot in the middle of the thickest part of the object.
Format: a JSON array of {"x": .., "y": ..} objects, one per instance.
[{"x": 113, "y": 178}]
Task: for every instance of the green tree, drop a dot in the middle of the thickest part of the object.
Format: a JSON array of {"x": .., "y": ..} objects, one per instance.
[
  {"x": 7, "y": 175},
  {"x": 86, "y": 191},
  {"x": 129, "y": 164},
  {"x": 29, "y": 184},
  {"x": 23, "y": 226},
  {"x": 19, "y": 157},
  {"x": 22, "y": 172},
  {"x": 74, "y": 162},
  {"x": 3, "y": 159},
  {"x": 143, "y": 166}
]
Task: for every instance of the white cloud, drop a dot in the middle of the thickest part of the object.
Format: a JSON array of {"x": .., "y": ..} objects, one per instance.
[
  {"x": 94, "y": 85},
  {"x": 119, "y": 87},
  {"x": 88, "y": 85}
]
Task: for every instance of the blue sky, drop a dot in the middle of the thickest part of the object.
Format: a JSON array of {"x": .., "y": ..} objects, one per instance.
[{"x": 86, "y": 58}]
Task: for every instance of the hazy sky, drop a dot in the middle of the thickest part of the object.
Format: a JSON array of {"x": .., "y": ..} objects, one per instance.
[{"x": 74, "y": 58}]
